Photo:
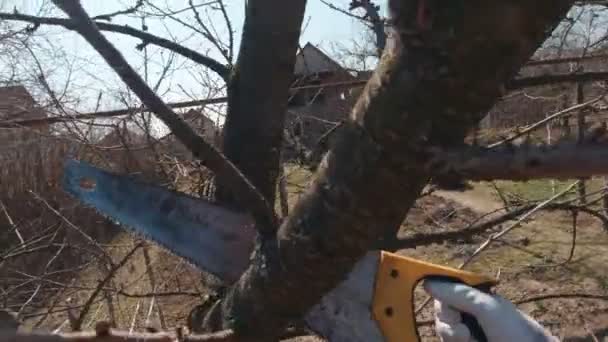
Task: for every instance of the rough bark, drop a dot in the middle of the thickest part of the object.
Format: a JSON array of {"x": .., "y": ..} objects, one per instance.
[
  {"x": 431, "y": 86},
  {"x": 258, "y": 93},
  {"x": 560, "y": 161},
  {"x": 535, "y": 81}
]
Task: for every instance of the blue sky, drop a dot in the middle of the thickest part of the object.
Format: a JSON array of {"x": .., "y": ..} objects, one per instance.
[{"x": 89, "y": 74}]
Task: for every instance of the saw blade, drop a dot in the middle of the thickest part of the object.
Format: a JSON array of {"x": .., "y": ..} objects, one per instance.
[
  {"x": 344, "y": 314},
  {"x": 213, "y": 238}
]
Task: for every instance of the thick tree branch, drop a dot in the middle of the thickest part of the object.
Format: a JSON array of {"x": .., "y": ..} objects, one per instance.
[
  {"x": 561, "y": 161},
  {"x": 210, "y": 157},
  {"x": 147, "y": 38},
  {"x": 376, "y": 168},
  {"x": 258, "y": 94},
  {"x": 526, "y": 82},
  {"x": 553, "y": 61}
]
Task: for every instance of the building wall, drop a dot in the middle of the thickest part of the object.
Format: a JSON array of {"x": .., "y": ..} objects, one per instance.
[
  {"x": 313, "y": 112},
  {"x": 16, "y": 103}
]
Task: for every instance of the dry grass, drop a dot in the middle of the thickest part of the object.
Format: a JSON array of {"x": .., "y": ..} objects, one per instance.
[
  {"x": 66, "y": 246},
  {"x": 522, "y": 259},
  {"x": 531, "y": 262}
]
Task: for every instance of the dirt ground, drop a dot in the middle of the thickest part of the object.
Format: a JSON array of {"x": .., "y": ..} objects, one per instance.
[{"x": 529, "y": 261}]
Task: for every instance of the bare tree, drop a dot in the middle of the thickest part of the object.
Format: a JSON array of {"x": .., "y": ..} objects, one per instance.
[{"x": 398, "y": 136}]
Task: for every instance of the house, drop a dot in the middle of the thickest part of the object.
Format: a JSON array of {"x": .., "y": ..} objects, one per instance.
[
  {"x": 526, "y": 106},
  {"x": 16, "y": 103},
  {"x": 123, "y": 149},
  {"x": 118, "y": 137},
  {"x": 322, "y": 94},
  {"x": 203, "y": 125}
]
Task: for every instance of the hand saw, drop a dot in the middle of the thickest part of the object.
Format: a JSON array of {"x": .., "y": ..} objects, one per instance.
[{"x": 374, "y": 303}]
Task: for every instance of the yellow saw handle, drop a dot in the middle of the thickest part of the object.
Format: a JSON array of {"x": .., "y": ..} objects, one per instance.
[{"x": 393, "y": 303}]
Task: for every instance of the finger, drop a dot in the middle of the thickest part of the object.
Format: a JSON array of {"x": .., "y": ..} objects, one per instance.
[
  {"x": 452, "y": 333},
  {"x": 446, "y": 314},
  {"x": 460, "y": 296}
]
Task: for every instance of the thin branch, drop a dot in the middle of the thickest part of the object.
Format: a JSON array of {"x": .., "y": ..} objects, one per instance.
[
  {"x": 104, "y": 334},
  {"x": 103, "y": 114},
  {"x": 129, "y": 10},
  {"x": 345, "y": 12},
  {"x": 425, "y": 239},
  {"x": 102, "y": 284},
  {"x": 72, "y": 225},
  {"x": 348, "y": 84},
  {"x": 554, "y": 116},
  {"x": 561, "y": 296},
  {"x": 205, "y": 152},
  {"x": 147, "y": 38},
  {"x": 230, "y": 30},
  {"x": 207, "y": 33},
  {"x": 572, "y": 246},
  {"x": 156, "y": 294},
  {"x": 503, "y": 232},
  {"x": 516, "y": 224}
]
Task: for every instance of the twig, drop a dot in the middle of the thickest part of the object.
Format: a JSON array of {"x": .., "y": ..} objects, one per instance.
[
  {"x": 12, "y": 224},
  {"x": 500, "y": 194},
  {"x": 283, "y": 193},
  {"x": 208, "y": 155},
  {"x": 153, "y": 286},
  {"x": 425, "y": 239},
  {"x": 134, "y": 319},
  {"x": 561, "y": 296},
  {"x": 86, "y": 307},
  {"x": 572, "y": 246},
  {"x": 72, "y": 225},
  {"x": 146, "y": 37},
  {"x": 498, "y": 235},
  {"x": 102, "y": 114},
  {"x": 104, "y": 334},
  {"x": 516, "y": 224},
  {"x": 590, "y": 332},
  {"x": 158, "y": 294},
  {"x": 547, "y": 119}
]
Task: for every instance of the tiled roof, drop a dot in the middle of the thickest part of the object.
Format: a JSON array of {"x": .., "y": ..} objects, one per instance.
[{"x": 16, "y": 103}]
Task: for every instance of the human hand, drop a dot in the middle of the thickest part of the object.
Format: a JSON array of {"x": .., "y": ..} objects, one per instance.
[{"x": 500, "y": 320}]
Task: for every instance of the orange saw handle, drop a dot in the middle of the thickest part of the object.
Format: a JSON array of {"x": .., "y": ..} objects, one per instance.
[{"x": 393, "y": 303}]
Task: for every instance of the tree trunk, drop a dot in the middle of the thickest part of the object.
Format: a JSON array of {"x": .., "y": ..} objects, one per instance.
[
  {"x": 258, "y": 92},
  {"x": 437, "y": 76}
]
